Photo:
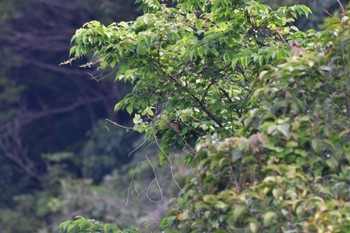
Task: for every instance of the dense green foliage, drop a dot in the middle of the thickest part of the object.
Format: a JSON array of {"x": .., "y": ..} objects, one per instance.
[
  {"x": 275, "y": 100},
  {"x": 291, "y": 173},
  {"x": 191, "y": 66},
  {"x": 58, "y": 159}
]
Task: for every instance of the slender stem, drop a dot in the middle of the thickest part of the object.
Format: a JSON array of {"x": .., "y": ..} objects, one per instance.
[
  {"x": 209, "y": 114},
  {"x": 121, "y": 126}
]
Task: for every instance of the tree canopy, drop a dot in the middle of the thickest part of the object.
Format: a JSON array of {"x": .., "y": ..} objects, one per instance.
[
  {"x": 266, "y": 105},
  {"x": 194, "y": 63}
]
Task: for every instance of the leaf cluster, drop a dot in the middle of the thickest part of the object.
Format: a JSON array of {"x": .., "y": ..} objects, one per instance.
[
  {"x": 81, "y": 224},
  {"x": 275, "y": 99},
  {"x": 291, "y": 173},
  {"x": 193, "y": 62}
]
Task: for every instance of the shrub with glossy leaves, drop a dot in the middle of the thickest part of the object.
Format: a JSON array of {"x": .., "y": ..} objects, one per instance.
[{"x": 291, "y": 174}]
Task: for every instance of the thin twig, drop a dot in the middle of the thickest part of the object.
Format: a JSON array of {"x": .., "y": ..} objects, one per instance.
[
  {"x": 341, "y": 7},
  {"x": 155, "y": 180},
  {"x": 281, "y": 36},
  {"x": 130, "y": 185},
  {"x": 138, "y": 147},
  {"x": 121, "y": 126},
  {"x": 328, "y": 13},
  {"x": 168, "y": 158},
  {"x": 27, "y": 117},
  {"x": 103, "y": 74}
]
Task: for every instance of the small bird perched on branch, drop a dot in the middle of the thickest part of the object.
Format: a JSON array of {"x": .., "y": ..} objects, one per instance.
[{"x": 175, "y": 125}]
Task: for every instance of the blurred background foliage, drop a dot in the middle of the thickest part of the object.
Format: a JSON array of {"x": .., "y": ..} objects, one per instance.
[{"x": 58, "y": 156}]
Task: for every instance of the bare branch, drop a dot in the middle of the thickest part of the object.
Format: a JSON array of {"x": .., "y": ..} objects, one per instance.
[
  {"x": 26, "y": 117},
  {"x": 155, "y": 180},
  {"x": 13, "y": 148},
  {"x": 341, "y": 7}
]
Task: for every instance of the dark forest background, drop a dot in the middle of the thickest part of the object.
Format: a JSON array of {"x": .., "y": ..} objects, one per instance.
[{"x": 59, "y": 157}]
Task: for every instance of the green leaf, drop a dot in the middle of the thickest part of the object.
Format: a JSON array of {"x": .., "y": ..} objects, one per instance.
[
  {"x": 221, "y": 205},
  {"x": 253, "y": 227},
  {"x": 149, "y": 111},
  {"x": 271, "y": 146},
  {"x": 332, "y": 163},
  {"x": 301, "y": 152},
  {"x": 83, "y": 225},
  {"x": 129, "y": 109},
  {"x": 244, "y": 61},
  {"x": 64, "y": 225},
  {"x": 284, "y": 129},
  {"x": 316, "y": 145},
  {"x": 269, "y": 218},
  {"x": 238, "y": 212},
  {"x": 234, "y": 63},
  {"x": 292, "y": 144}
]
